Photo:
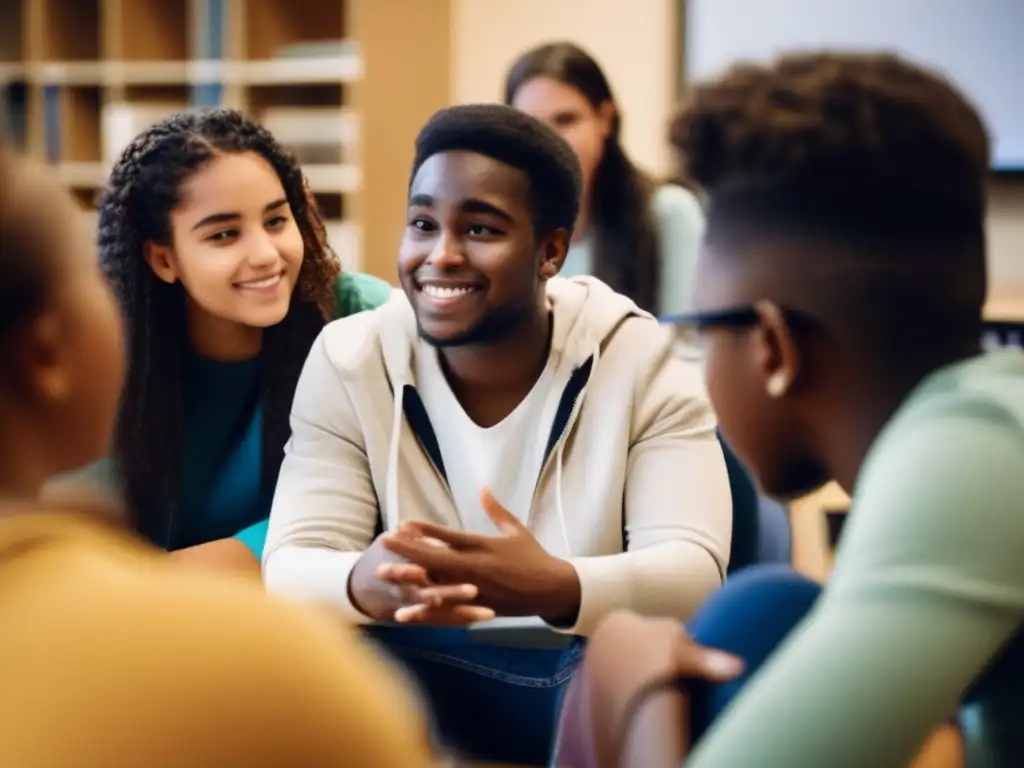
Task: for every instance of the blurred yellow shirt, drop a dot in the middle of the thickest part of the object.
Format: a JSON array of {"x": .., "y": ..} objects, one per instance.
[{"x": 111, "y": 656}]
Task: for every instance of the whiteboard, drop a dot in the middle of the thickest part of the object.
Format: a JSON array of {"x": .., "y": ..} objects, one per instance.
[{"x": 978, "y": 44}]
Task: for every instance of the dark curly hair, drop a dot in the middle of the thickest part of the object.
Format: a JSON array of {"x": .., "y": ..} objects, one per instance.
[
  {"x": 868, "y": 153},
  {"x": 134, "y": 208},
  {"x": 624, "y": 238}
]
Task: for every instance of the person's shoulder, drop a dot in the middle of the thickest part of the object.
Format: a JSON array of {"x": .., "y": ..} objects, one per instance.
[
  {"x": 645, "y": 354},
  {"x": 943, "y": 479},
  {"x": 974, "y": 397},
  {"x": 936, "y": 506},
  {"x": 351, "y": 340},
  {"x": 356, "y": 292},
  {"x": 674, "y": 203}
]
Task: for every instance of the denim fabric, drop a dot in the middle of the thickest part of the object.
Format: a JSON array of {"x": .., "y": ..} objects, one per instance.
[{"x": 488, "y": 702}]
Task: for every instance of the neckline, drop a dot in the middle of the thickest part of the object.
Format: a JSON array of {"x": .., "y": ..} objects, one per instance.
[{"x": 441, "y": 380}]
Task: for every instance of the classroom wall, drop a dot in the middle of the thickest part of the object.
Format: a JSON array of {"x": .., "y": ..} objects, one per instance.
[
  {"x": 636, "y": 42},
  {"x": 1006, "y": 236}
]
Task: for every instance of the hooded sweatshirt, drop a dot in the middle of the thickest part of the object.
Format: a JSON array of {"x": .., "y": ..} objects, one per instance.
[
  {"x": 112, "y": 655},
  {"x": 632, "y": 489}
]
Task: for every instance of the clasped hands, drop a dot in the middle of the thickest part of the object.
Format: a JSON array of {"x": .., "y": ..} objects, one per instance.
[{"x": 429, "y": 574}]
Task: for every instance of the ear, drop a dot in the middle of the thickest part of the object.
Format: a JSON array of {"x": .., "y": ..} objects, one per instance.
[
  {"x": 606, "y": 117},
  {"x": 778, "y": 356},
  {"x": 554, "y": 249},
  {"x": 161, "y": 260},
  {"x": 40, "y": 351}
]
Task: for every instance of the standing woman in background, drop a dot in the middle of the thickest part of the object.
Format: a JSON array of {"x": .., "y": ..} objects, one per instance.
[
  {"x": 217, "y": 254},
  {"x": 638, "y": 237}
]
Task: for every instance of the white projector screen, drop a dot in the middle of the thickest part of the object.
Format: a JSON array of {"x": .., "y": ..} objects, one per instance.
[{"x": 979, "y": 44}]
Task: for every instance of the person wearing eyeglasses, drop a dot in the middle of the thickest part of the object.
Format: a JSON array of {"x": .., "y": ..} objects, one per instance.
[{"x": 839, "y": 298}]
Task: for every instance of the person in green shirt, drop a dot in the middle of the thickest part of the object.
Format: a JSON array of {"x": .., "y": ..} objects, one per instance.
[
  {"x": 840, "y": 297},
  {"x": 218, "y": 257}
]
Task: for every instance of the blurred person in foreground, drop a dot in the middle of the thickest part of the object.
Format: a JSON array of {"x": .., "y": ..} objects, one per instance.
[{"x": 111, "y": 655}]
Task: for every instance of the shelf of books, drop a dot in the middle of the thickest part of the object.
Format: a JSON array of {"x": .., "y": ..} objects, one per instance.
[{"x": 344, "y": 84}]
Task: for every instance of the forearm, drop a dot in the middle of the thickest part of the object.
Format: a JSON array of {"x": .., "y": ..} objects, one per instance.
[
  {"x": 314, "y": 575},
  {"x": 637, "y": 713},
  {"x": 669, "y": 579},
  {"x": 656, "y": 736}
]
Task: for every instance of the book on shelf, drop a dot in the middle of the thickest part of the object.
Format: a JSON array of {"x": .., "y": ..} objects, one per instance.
[
  {"x": 317, "y": 49},
  {"x": 208, "y": 25},
  {"x": 52, "y": 122},
  {"x": 14, "y": 113},
  {"x": 207, "y": 44},
  {"x": 122, "y": 121},
  {"x": 206, "y": 95},
  {"x": 315, "y": 135}
]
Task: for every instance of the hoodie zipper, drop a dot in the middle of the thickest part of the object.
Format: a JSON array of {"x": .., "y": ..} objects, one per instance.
[
  {"x": 419, "y": 420},
  {"x": 584, "y": 372},
  {"x": 555, "y": 447}
]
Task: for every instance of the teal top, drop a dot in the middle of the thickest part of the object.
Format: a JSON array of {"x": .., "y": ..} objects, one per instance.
[
  {"x": 679, "y": 224},
  {"x": 222, "y": 459},
  {"x": 927, "y": 590}
]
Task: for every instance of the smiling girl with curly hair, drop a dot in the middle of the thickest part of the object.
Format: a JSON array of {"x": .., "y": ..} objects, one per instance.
[{"x": 218, "y": 257}]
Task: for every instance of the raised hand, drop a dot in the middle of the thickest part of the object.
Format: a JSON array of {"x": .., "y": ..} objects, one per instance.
[{"x": 514, "y": 574}]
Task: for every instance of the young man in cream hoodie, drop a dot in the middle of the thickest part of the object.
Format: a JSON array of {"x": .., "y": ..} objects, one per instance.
[{"x": 497, "y": 440}]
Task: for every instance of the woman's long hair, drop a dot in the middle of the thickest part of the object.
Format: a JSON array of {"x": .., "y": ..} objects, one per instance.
[
  {"x": 135, "y": 207},
  {"x": 620, "y": 229}
]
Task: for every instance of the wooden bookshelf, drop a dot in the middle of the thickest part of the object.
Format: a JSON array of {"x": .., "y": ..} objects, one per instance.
[{"x": 346, "y": 84}]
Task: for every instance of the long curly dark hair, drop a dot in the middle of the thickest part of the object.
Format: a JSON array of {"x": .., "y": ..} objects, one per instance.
[
  {"x": 134, "y": 208},
  {"x": 623, "y": 235}
]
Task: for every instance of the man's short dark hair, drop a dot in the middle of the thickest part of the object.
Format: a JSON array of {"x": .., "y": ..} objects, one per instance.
[
  {"x": 869, "y": 155},
  {"x": 516, "y": 139}
]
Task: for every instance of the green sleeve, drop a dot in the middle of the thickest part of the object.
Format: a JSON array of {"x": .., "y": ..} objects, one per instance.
[
  {"x": 679, "y": 219},
  {"x": 254, "y": 537},
  {"x": 356, "y": 292},
  {"x": 928, "y": 585}
]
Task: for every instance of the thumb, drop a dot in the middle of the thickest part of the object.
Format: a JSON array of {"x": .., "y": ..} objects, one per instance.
[
  {"x": 709, "y": 664},
  {"x": 505, "y": 521}
]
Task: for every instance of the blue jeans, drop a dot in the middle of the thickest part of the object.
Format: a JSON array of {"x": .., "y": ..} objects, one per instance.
[{"x": 488, "y": 702}]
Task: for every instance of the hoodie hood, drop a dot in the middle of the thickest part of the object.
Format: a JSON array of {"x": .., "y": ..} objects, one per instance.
[{"x": 586, "y": 313}]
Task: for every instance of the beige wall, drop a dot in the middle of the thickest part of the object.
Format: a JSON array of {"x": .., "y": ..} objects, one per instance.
[
  {"x": 635, "y": 41},
  {"x": 1006, "y": 237},
  {"x": 632, "y": 39}
]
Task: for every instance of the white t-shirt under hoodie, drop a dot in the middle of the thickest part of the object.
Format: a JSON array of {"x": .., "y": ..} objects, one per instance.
[{"x": 505, "y": 458}]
